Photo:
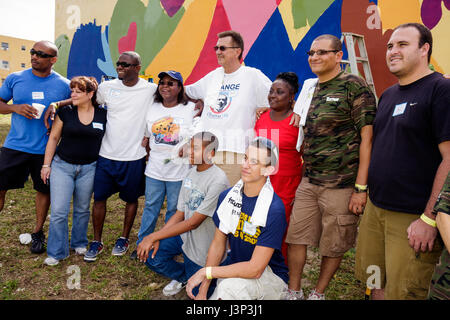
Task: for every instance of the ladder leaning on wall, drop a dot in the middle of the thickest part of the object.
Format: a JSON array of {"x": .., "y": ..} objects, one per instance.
[{"x": 350, "y": 40}]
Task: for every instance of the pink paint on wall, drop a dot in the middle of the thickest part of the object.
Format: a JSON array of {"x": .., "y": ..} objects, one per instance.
[
  {"x": 249, "y": 17},
  {"x": 128, "y": 42},
  {"x": 172, "y": 6}
]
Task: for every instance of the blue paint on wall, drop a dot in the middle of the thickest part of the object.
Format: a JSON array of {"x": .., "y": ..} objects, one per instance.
[
  {"x": 85, "y": 50},
  {"x": 272, "y": 51},
  {"x": 106, "y": 66}
]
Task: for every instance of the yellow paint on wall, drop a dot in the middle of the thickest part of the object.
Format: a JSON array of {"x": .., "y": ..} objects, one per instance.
[
  {"x": 441, "y": 45},
  {"x": 184, "y": 46},
  {"x": 394, "y": 13},
  {"x": 295, "y": 35}
]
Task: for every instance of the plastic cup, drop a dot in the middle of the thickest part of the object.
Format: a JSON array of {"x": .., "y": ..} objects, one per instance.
[{"x": 40, "y": 108}]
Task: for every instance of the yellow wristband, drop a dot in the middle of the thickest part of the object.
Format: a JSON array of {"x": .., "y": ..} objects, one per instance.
[
  {"x": 428, "y": 221},
  {"x": 360, "y": 186},
  {"x": 55, "y": 104},
  {"x": 208, "y": 273}
]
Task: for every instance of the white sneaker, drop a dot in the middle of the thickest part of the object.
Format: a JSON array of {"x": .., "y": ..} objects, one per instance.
[
  {"x": 51, "y": 261},
  {"x": 314, "y": 295},
  {"x": 173, "y": 288},
  {"x": 80, "y": 251},
  {"x": 294, "y": 295}
]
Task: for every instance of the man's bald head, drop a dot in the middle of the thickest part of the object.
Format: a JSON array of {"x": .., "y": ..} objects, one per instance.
[
  {"x": 52, "y": 48},
  {"x": 136, "y": 57}
]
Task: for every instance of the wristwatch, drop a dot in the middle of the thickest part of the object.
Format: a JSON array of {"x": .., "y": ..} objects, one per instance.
[{"x": 358, "y": 188}]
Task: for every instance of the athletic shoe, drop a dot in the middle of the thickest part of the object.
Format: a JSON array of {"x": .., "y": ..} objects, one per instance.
[
  {"x": 314, "y": 295},
  {"x": 51, "y": 261},
  {"x": 294, "y": 295},
  {"x": 173, "y": 288},
  {"x": 80, "y": 251},
  {"x": 37, "y": 242},
  {"x": 121, "y": 247},
  {"x": 95, "y": 248}
]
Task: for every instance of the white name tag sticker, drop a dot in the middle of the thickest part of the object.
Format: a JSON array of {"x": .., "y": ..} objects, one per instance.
[
  {"x": 114, "y": 93},
  {"x": 97, "y": 125},
  {"x": 332, "y": 99},
  {"x": 399, "y": 109},
  {"x": 249, "y": 228},
  {"x": 37, "y": 95},
  {"x": 188, "y": 183}
]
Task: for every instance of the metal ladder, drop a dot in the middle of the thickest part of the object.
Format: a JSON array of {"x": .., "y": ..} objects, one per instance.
[{"x": 353, "y": 60}]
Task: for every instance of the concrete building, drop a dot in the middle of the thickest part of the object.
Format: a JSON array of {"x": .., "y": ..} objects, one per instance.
[{"x": 14, "y": 55}]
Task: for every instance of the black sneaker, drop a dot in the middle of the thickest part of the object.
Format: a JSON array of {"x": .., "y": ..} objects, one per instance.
[
  {"x": 37, "y": 242},
  {"x": 133, "y": 255}
]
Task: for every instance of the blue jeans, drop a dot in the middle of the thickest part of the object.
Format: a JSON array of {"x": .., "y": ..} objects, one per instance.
[
  {"x": 155, "y": 193},
  {"x": 67, "y": 180},
  {"x": 164, "y": 263}
]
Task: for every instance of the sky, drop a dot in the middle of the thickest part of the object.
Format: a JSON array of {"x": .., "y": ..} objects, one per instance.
[{"x": 28, "y": 19}]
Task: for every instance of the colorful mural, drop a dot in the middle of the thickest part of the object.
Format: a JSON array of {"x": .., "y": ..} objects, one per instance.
[{"x": 180, "y": 34}]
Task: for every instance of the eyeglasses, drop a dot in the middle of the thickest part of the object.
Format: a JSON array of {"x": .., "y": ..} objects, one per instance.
[
  {"x": 41, "y": 54},
  {"x": 125, "y": 65},
  {"x": 223, "y": 48},
  {"x": 319, "y": 52},
  {"x": 167, "y": 83}
]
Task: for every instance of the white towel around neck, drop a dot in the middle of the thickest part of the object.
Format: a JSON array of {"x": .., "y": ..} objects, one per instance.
[
  {"x": 302, "y": 106},
  {"x": 229, "y": 210}
]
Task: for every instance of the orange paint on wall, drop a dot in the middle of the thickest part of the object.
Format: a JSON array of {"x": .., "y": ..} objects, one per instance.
[
  {"x": 184, "y": 46},
  {"x": 394, "y": 13}
]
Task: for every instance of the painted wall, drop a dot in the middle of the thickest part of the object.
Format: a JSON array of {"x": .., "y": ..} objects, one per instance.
[{"x": 180, "y": 34}]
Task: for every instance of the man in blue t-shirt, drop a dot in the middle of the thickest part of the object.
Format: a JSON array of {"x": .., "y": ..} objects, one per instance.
[
  {"x": 22, "y": 154},
  {"x": 251, "y": 218}
]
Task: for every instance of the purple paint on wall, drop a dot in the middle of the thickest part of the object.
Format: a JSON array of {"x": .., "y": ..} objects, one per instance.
[
  {"x": 431, "y": 12},
  {"x": 172, "y": 6}
]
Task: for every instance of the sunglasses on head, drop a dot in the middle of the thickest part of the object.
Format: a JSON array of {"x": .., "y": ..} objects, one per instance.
[
  {"x": 125, "y": 65},
  {"x": 41, "y": 54},
  {"x": 319, "y": 52},
  {"x": 167, "y": 83},
  {"x": 223, "y": 48}
]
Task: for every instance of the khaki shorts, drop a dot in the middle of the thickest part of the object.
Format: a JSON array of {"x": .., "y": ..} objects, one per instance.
[
  {"x": 384, "y": 257},
  {"x": 320, "y": 218},
  {"x": 230, "y": 163}
]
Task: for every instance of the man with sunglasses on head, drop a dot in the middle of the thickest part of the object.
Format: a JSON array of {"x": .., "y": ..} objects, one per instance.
[
  {"x": 22, "y": 153},
  {"x": 121, "y": 163},
  {"x": 231, "y": 94},
  {"x": 338, "y": 110}
]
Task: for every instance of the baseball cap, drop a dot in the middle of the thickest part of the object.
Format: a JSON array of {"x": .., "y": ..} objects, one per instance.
[{"x": 173, "y": 74}]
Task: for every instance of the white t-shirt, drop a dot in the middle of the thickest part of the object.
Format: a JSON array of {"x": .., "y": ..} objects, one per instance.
[
  {"x": 232, "y": 119},
  {"x": 168, "y": 130},
  {"x": 125, "y": 126}
]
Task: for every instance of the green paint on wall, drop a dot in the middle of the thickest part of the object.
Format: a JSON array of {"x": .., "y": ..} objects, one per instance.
[
  {"x": 309, "y": 11},
  {"x": 63, "y": 44}
]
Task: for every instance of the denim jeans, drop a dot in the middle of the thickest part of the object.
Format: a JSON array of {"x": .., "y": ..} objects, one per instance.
[
  {"x": 164, "y": 263},
  {"x": 155, "y": 193},
  {"x": 67, "y": 180}
]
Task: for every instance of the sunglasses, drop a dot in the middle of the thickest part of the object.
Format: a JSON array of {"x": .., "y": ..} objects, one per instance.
[
  {"x": 223, "y": 48},
  {"x": 319, "y": 52},
  {"x": 125, "y": 65},
  {"x": 41, "y": 54},
  {"x": 167, "y": 83}
]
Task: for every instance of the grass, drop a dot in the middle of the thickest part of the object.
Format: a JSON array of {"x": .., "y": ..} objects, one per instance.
[{"x": 23, "y": 275}]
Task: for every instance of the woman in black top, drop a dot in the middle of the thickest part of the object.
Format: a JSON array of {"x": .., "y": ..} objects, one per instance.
[{"x": 72, "y": 150}]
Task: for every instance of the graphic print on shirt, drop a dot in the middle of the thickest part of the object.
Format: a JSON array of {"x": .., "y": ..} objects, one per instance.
[
  {"x": 195, "y": 196},
  {"x": 247, "y": 231},
  {"x": 226, "y": 95},
  {"x": 166, "y": 130}
]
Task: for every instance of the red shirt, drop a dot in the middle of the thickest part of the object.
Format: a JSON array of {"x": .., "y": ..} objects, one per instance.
[{"x": 285, "y": 137}]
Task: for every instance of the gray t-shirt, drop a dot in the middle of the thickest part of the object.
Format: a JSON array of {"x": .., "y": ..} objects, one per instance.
[{"x": 199, "y": 193}]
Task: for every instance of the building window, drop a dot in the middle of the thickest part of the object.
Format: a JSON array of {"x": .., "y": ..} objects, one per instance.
[
  {"x": 22, "y": 65},
  {"x": 5, "y": 65},
  {"x": 23, "y": 48},
  {"x": 5, "y": 46}
]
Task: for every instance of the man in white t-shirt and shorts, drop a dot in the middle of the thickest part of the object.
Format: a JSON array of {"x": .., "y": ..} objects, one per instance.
[
  {"x": 231, "y": 94},
  {"x": 121, "y": 164}
]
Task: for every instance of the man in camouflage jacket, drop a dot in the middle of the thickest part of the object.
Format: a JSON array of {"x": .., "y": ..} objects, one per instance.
[{"x": 336, "y": 152}]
